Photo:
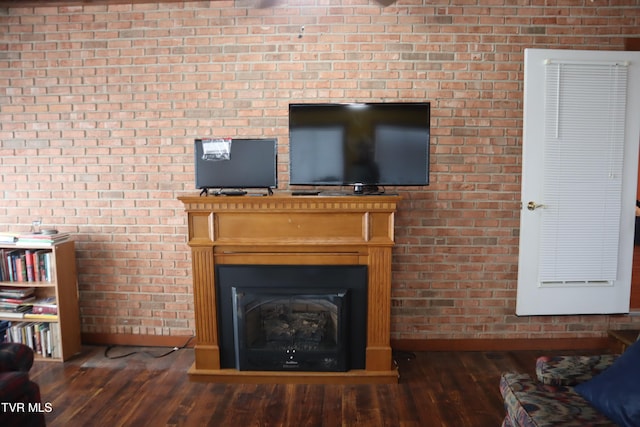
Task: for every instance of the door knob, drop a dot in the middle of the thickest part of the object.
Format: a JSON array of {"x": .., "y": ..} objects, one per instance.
[{"x": 532, "y": 206}]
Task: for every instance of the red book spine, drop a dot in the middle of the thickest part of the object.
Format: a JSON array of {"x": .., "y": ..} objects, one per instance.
[
  {"x": 43, "y": 309},
  {"x": 20, "y": 269},
  {"x": 28, "y": 259},
  {"x": 12, "y": 300},
  {"x": 36, "y": 266}
]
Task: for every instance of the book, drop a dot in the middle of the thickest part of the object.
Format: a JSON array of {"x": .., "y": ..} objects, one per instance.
[
  {"x": 40, "y": 272},
  {"x": 37, "y": 254},
  {"x": 47, "y": 268},
  {"x": 54, "y": 349},
  {"x": 16, "y": 301},
  {"x": 8, "y": 237},
  {"x": 20, "y": 267},
  {"x": 40, "y": 336},
  {"x": 13, "y": 311},
  {"x": 26, "y": 265},
  {"x": 37, "y": 338},
  {"x": 28, "y": 262},
  {"x": 11, "y": 265},
  {"x": 41, "y": 240},
  {"x": 28, "y": 335},
  {"x": 4, "y": 265},
  {"x": 48, "y": 342},
  {"x": 45, "y": 306},
  {"x": 11, "y": 314},
  {"x": 4, "y": 326},
  {"x": 16, "y": 291},
  {"x": 40, "y": 316},
  {"x": 44, "y": 237}
]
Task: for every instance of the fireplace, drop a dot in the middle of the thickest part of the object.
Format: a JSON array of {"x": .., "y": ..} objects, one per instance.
[
  {"x": 290, "y": 330},
  {"x": 292, "y": 318},
  {"x": 297, "y": 233}
]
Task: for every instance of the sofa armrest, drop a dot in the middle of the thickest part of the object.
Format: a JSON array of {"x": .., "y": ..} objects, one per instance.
[
  {"x": 529, "y": 403},
  {"x": 571, "y": 370},
  {"x": 14, "y": 386},
  {"x": 15, "y": 357}
]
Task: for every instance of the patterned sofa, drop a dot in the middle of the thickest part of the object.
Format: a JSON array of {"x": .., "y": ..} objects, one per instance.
[
  {"x": 575, "y": 391},
  {"x": 20, "y": 397}
]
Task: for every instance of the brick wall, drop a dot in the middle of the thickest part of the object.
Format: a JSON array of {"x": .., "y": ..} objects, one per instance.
[{"x": 99, "y": 106}]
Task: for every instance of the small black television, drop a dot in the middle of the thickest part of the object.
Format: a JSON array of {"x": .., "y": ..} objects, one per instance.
[
  {"x": 364, "y": 145},
  {"x": 250, "y": 163}
]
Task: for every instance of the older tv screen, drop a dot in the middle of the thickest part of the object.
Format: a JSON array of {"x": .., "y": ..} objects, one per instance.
[{"x": 251, "y": 163}]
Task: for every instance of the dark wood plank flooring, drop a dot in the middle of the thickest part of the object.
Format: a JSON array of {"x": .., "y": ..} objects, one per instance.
[{"x": 451, "y": 389}]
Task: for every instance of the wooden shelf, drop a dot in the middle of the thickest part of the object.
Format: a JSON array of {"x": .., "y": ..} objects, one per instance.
[
  {"x": 64, "y": 287},
  {"x": 28, "y": 284}
]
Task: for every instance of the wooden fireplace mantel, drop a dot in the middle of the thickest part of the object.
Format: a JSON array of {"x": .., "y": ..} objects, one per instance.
[{"x": 292, "y": 230}]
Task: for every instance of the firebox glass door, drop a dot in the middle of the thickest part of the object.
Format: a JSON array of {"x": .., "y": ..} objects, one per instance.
[{"x": 282, "y": 329}]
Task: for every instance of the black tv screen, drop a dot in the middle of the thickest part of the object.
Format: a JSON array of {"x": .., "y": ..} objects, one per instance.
[
  {"x": 251, "y": 163},
  {"x": 374, "y": 144}
]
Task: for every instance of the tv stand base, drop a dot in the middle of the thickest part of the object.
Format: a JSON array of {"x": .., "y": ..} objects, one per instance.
[{"x": 365, "y": 189}]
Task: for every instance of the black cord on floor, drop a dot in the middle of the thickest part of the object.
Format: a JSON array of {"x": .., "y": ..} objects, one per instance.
[
  {"x": 155, "y": 356},
  {"x": 405, "y": 355}
]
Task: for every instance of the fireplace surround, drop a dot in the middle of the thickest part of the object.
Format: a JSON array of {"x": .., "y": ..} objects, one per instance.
[{"x": 291, "y": 231}]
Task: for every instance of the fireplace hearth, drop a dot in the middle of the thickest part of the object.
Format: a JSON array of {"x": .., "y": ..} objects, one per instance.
[{"x": 292, "y": 318}]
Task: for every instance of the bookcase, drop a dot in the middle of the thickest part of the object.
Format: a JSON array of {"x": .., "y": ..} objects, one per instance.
[{"x": 51, "y": 276}]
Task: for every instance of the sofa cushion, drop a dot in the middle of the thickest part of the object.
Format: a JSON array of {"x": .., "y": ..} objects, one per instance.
[
  {"x": 531, "y": 404},
  {"x": 616, "y": 391},
  {"x": 571, "y": 370}
]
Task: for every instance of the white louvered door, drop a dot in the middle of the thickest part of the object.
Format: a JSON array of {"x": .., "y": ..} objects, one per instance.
[{"x": 580, "y": 159}]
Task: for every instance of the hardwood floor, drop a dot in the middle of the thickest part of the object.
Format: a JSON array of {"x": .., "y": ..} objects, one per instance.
[{"x": 451, "y": 389}]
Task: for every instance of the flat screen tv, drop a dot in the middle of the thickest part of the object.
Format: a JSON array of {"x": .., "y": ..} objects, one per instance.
[
  {"x": 248, "y": 163},
  {"x": 364, "y": 145}
]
